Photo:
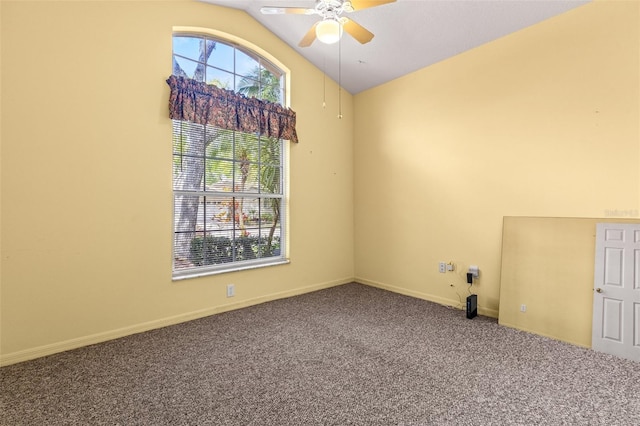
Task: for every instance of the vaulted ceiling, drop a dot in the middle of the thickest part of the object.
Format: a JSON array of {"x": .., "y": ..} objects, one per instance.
[{"x": 409, "y": 34}]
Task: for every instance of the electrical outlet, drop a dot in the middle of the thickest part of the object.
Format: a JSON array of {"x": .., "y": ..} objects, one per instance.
[
  {"x": 523, "y": 308},
  {"x": 442, "y": 267},
  {"x": 231, "y": 290},
  {"x": 450, "y": 266}
]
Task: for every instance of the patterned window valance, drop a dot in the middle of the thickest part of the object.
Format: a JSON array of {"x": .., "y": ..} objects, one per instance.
[{"x": 202, "y": 103}]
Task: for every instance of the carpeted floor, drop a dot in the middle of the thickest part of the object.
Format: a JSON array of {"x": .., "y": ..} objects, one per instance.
[{"x": 349, "y": 355}]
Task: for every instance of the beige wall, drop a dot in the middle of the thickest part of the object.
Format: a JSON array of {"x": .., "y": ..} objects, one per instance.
[
  {"x": 543, "y": 122},
  {"x": 86, "y": 176},
  {"x": 548, "y": 266}
]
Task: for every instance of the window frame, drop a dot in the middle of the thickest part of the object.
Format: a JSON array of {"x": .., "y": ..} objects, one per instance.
[{"x": 269, "y": 63}]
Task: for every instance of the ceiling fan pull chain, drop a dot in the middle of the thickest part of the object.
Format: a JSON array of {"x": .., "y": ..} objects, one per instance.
[
  {"x": 340, "y": 79},
  {"x": 324, "y": 81}
]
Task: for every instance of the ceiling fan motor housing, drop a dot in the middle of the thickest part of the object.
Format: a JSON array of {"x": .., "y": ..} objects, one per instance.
[{"x": 331, "y": 9}]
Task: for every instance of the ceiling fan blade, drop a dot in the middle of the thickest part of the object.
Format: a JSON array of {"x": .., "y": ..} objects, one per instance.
[
  {"x": 269, "y": 10},
  {"x": 309, "y": 37},
  {"x": 364, "y": 4},
  {"x": 357, "y": 31}
]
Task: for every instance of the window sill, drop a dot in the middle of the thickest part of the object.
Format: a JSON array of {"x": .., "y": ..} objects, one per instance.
[{"x": 203, "y": 272}]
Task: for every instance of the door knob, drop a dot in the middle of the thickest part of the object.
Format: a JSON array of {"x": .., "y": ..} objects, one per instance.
[{"x": 599, "y": 290}]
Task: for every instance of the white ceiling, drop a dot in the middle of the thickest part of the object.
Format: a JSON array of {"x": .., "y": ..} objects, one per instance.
[{"x": 409, "y": 34}]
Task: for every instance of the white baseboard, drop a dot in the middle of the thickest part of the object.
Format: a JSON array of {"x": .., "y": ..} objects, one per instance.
[
  {"x": 40, "y": 351},
  {"x": 53, "y": 348},
  {"x": 526, "y": 330},
  {"x": 424, "y": 296}
]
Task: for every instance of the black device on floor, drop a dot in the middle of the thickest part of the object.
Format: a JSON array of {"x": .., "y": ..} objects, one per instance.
[{"x": 472, "y": 306}]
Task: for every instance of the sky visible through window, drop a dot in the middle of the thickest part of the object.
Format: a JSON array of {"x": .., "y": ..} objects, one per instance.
[{"x": 226, "y": 66}]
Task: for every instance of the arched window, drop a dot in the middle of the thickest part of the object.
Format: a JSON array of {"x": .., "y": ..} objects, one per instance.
[{"x": 229, "y": 205}]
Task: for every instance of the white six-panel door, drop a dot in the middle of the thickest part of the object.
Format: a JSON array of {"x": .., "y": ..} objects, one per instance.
[{"x": 616, "y": 297}]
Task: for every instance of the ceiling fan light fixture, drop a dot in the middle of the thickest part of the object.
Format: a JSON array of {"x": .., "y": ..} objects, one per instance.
[{"x": 329, "y": 31}]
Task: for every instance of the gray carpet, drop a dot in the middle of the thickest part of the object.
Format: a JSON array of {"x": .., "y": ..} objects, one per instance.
[{"x": 349, "y": 355}]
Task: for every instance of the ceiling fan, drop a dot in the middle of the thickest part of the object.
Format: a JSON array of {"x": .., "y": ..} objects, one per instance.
[{"x": 329, "y": 29}]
